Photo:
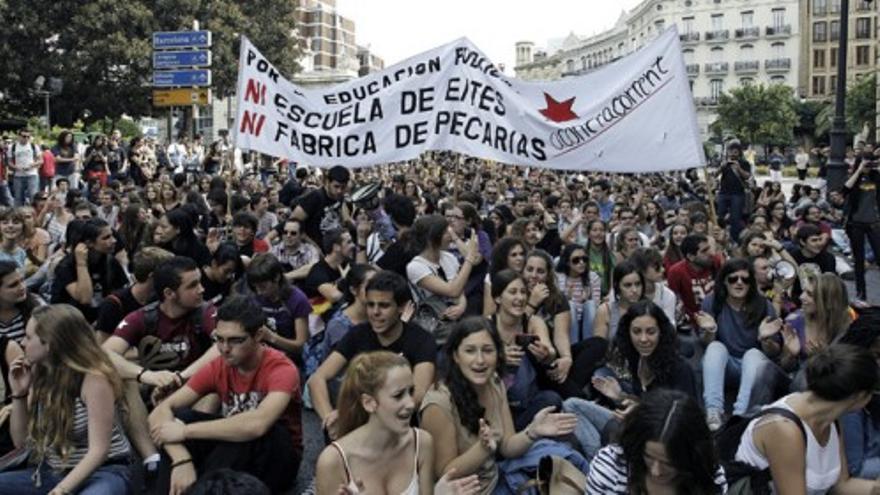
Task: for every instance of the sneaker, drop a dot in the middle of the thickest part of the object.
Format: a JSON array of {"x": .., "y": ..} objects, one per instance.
[{"x": 715, "y": 419}]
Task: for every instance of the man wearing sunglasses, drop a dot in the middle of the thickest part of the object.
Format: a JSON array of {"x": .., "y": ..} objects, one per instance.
[
  {"x": 25, "y": 159},
  {"x": 259, "y": 428},
  {"x": 296, "y": 254}
]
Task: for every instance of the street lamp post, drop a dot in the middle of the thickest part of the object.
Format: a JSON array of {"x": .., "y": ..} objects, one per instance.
[{"x": 837, "y": 169}]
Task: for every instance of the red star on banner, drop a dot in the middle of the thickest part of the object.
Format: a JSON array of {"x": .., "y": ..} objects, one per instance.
[{"x": 558, "y": 111}]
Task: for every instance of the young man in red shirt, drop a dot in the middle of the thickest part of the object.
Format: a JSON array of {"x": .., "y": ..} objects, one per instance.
[
  {"x": 693, "y": 278},
  {"x": 258, "y": 429}
]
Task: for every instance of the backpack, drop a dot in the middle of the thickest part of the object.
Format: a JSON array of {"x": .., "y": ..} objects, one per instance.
[
  {"x": 149, "y": 347},
  {"x": 428, "y": 314},
  {"x": 743, "y": 478}
]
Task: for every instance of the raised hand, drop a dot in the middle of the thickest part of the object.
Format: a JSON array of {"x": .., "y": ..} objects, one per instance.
[
  {"x": 550, "y": 424},
  {"x": 608, "y": 386}
]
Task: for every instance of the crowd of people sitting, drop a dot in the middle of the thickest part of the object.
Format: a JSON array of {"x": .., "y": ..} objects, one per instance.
[{"x": 457, "y": 326}]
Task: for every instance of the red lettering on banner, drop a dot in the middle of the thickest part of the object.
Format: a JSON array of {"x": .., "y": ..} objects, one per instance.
[
  {"x": 251, "y": 120},
  {"x": 255, "y": 92}
]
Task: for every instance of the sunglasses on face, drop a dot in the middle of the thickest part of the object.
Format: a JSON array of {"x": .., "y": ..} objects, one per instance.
[
  {"x": 732, "y": 279},
  {"x": 575, "y": 260},
  {"x": 291, "y": 232}
]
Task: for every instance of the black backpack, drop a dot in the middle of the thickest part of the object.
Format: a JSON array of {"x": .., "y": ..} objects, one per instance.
[{"x": 743, "y": 478}]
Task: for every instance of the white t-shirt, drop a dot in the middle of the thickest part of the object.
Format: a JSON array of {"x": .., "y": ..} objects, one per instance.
[
  {"x": 419, "y": 268},
  {"x": 24, "y": 156}
]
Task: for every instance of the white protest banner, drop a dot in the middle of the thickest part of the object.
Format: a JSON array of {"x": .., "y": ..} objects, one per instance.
[{"x": 634, "y": 115}]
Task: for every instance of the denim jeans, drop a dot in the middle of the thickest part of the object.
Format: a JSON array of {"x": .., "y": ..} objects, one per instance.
[
  {"x": 5, "y": 194},
  {"x": 732, "y": 204},
  {"x": 591, "y": 421},
  {"x": 111, "y": 479},
  {"x": 24, "y": 188},
  {"x": 719, "y": 366},
  {"x": 858, "y": 234}
]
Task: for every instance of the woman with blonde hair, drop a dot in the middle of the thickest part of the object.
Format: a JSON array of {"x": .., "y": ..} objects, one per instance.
[
  {"x": 378, "y": 449},
  {"x": 66, "y": 406}
]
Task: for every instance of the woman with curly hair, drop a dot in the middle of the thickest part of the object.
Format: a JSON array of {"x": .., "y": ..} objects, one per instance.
[
  {"x": 468, "y": 408},
  {"x": 648, "y": 354},
  {"x": 67, "y": 404},
  {"x": 663, "y": 447}
]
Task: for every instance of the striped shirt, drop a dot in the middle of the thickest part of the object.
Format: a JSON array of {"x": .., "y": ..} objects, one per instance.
[
  {"x": 120, "y": 449},
  {"x": 14, "y": 328},
  {"x": 609, "y": 473}
]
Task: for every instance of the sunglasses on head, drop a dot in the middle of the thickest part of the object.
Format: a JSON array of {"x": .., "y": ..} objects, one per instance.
[{"x": 732, "y": 279}]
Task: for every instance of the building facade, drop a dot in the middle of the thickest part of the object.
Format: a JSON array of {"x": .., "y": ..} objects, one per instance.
[
  {"x": 725, "y": 44},
  {"x": 821, "y": 19},
  {"x": 327, "y": 41}
]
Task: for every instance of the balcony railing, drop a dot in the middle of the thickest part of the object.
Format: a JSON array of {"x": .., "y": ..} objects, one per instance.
[
  {"x": 863, "y": 7},
  {"x": 779, "y": 31},
  {"x": 746, "y": 66},
  {"x": 747, "y": 33},
  {"x": 693, "y": 69},
  {"x": 719, "y": 35},
  {"x": 691, "y": 37},
  {"x": 777, "y": 64},
  {"x": 717, "y": 68},
  {"x": 706, "y": 101}
]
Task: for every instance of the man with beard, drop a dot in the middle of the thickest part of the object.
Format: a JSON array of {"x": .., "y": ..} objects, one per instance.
[
  {"x": 810, "y": 255},
  {"x": 693, "y": 278},
  {"x": 324, "y": 209},
  {"x": 322, "y": 278}
]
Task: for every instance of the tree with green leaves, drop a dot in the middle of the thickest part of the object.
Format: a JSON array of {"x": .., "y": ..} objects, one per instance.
[
  {"x": 102, "y": 49},
  {"x": 758, "y": 114}
]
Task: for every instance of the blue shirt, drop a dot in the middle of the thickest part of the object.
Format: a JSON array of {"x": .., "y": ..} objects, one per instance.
[{"x": 732, "y": 330}]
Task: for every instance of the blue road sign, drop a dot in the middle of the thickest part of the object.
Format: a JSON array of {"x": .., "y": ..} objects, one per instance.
[
  {"x": 171, "y": 78},
  {"x": 175, "y": 59},
  {"x": 181, "y": 39}
]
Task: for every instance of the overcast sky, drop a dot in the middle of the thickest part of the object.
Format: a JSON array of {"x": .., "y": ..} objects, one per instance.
[{"x": 397, "y": 29}]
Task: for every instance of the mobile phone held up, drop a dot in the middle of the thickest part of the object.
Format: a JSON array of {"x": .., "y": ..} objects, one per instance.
[{"x": 524, "y": 339}]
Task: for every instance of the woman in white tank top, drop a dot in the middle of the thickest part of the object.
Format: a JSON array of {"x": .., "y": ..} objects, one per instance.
[
  {"x": 378, "y": 451},
  {"x": 840, "y": 379}
]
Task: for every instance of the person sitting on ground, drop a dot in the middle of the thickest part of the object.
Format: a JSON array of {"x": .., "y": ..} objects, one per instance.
[
  {"x": 468, "y": 409},
  {"x": 663, "y": 447},
  {"x": 320, "y": 284},
  {"x": 528, "y": 350},
  {"x": 16, "y": 302},
  {"x": 739, "y": 327},
  {"x": 435, "y": 272},
  {"x": 376, "y": 406},
  {"x": 67, "y": 405},
  {"x": 810, "y": 457},
  {"x": 218, "y": 277},
  {"x": 508, "y": 252},
  {"x": 386, "y": 297},
  {"x": 647, "y": 357},
  {"x": 286, "y": 307},
  {"x": 296, "y": 254},
  {"x": 172, "y": 337},
  {"x": 259, "y": 429},
  {"x": 90, "y": 272},
  {"x": 244, "y": 233},
  {"x": 137, "y": 295},
  {"x": 10, "y": 351}
]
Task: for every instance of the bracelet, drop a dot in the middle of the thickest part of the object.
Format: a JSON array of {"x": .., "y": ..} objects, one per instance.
[
  {"x": 181, "y": 462},
  {"x": 528, "y": 432},
  {"x": 180, "y": 375},
  {"x": 532, "y": 306},
  {"x": 19, "y": 396},
  {"x": 140, "y": 374}
]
